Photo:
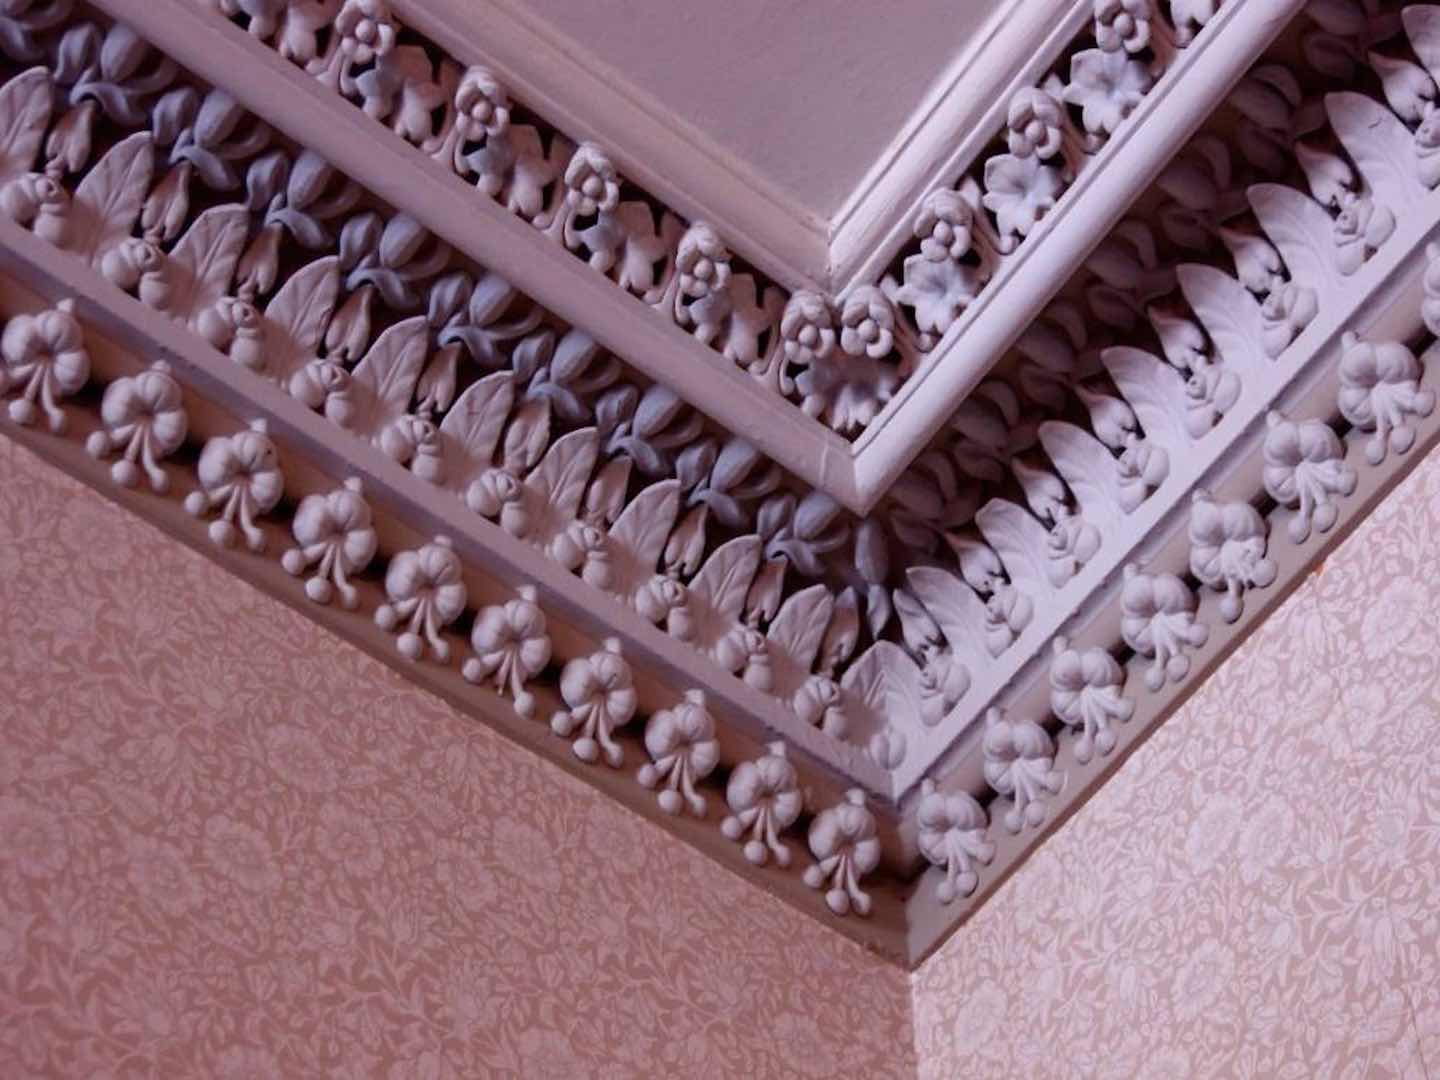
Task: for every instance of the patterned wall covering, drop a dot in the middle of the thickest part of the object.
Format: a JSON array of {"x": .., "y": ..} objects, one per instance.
[
  {"x": 1257, "y": 893},
  {"x": 232, "y": 846}
]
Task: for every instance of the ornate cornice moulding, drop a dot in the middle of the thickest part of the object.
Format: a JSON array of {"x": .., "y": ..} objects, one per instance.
[
  {"x": 247, "y": 344},
  {"x": 739, "y": 347}
]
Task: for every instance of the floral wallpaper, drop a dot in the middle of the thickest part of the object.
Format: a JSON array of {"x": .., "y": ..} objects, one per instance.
[
  {"x": 1257, "y": 892},
  {"x": 233, "y": 846}
]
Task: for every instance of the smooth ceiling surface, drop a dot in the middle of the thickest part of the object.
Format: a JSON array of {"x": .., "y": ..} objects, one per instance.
[{"x": 808, "y": 94}]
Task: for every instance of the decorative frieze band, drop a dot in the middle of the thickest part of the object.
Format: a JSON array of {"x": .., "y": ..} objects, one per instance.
[
  {"x": 1087, "y": 535},
  {"x": 839, "y": 358}
]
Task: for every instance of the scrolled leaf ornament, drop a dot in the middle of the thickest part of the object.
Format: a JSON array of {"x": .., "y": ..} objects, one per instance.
[
  {"x": 600, "y": 692},
  {"x": 240, "y": 475},
  {"x": 1380, "y": 392},
  {"x": 952, "y": 837},
  {"x": 144, "y": 422},
  {"x": 843, "y": 838},
  {"x": 426, "y": 592},
  {"x": 683, "y": 751},
  {"x": 1305, "y": 469},
  {"x": 1158, "y": 621},
  {"x": 1020, "y": 765},
  {"x": 764, "y": 799},
  {"x": 512, "y": 646},
  {"x": 335, "y": 534},
  {"x": 1085, "y": 693},
  {"x": 43, "y": 357}
]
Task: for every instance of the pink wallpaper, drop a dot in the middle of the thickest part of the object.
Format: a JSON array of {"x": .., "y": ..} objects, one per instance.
[
  {"x": 1257, "y": 893},
  {"x": 231, "y": 845}
]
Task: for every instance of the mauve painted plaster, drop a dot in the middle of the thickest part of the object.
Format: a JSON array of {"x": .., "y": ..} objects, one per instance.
[
  {"x": 232, "y": 845},
  {"x": 1256, "y": 893}
]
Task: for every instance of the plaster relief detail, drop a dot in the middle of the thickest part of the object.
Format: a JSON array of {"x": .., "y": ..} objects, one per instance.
[
  {"x": 600, "y": 692},
  {"x": 240, "y": 479},
  {"x": 144, "y": 422},
  {"x": 1020, "y": 767},
  {"x": 845, "y": 846},
  {"x": 334, "y": 534},
  {"x": 1227, "y": 550},
  {"x": 1380, "y": 392},
  {"x": 953, "y": 837},
  {"x": 1305, "y": 469},
  {"x": 683, "y": 751},
  {"x": 425, "y": 592},
  {"x": 1159, "y": 622},
  {"x": 764, "y": 800},
  {"x": 1086, "y": 694},
  {"x": 511, "y": 647},
  {"x": 45, "y": 361}
]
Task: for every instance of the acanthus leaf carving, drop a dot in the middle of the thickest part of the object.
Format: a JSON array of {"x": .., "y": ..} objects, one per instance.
[
  {"x": 952, "y": 836},
  {"x": 843, "y": 839},
  {"x": 335, "y": 534}
]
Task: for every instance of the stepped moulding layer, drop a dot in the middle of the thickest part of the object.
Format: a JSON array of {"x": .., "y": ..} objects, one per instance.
[
  {"x": 998, "y": 229},
  {"x": 259, "y": 345}
]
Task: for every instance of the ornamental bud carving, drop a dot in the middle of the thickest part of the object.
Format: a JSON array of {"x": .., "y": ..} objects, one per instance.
[
  {"x": 333, "y": 533},
  {"x": 426, "y": 593},
  {"x": 1380, "y": 392},
  {"x": 43, "y": 358},
  {"x": 683, "y": 751},
  {"x": 843, "y": 838},
  {"x": 240, "y": 475},
  {"x": 1158, "y": 621},
  {"x": 600, "y": 692},
  {"x": 1305, "y": 470},
  {"x": 1020, "y": 765},
  {"x": 144, "y": 422},
  {"x": 1227, "y": 550},
  {"x": 764, "y": 800},
  {"x": 511, "y": 647},
  {"x": 1085, "y": 693},
  {"x": 952, "y": 837}
]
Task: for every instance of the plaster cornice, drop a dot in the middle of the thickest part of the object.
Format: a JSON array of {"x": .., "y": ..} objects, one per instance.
[{"x": 1128, "y": 526}]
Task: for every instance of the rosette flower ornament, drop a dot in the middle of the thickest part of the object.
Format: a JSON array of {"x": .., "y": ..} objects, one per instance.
[
  {"x": 600, "y": 691},
  {"x": 1020, "y": 765},
  {"x": 1227, "y": 550},
  {"x": 1158, "y": 621},
  {"x": 44, "y": 357},
  {"x": 1305, "y": 469},
  {"x": 425, "y": 589},
  {"x": 240, "y": 475},
  {"x": 482, "y": 106},
  {"x": 683, "y": 751},
  {"x": 1085, "y": 693},
  {"x": 843, "y": 838},
  {"x": 511, "y": 647},
  {"x": 144, "y": 421},
  {"x": 1122, "y": 24},
  {"x": 334, "y": 533},
  {"x": 952, "y": 837},
  {"x": 1380, "y": 392},
  {"x": 764, "y": 799}
]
